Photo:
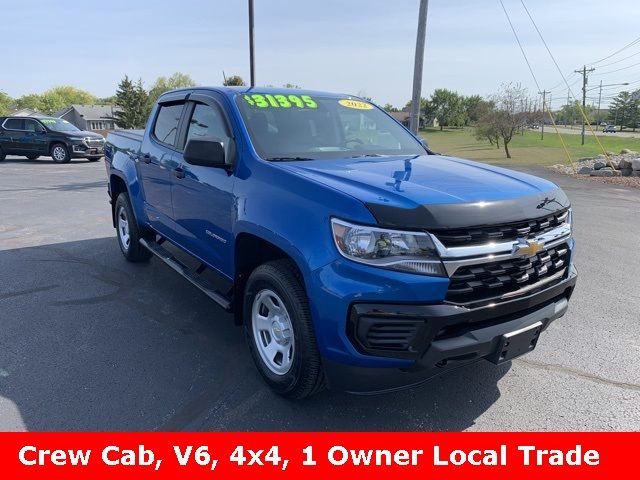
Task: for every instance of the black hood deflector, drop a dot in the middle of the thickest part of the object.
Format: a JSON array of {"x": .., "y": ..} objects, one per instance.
[{"x": 462, "y": 215}]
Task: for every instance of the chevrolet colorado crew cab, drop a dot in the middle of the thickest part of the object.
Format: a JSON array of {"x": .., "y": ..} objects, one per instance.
[
  {"x": 33, "y": 137},
  {"x": 352, "y": 255}
]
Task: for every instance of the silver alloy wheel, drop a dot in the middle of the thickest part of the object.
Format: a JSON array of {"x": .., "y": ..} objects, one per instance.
[
  {"x": 123, "y": 229},
  {"x": 272, "y": 331},
  {"x": 59, "y": 153}
]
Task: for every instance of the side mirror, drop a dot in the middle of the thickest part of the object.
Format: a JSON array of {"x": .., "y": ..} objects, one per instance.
[
  {"x": 206, "y": 153},
  {"x": 424, "y": 144}
]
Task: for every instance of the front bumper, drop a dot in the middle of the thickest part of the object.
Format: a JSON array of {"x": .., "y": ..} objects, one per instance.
[{"x": 444, "y": 336}]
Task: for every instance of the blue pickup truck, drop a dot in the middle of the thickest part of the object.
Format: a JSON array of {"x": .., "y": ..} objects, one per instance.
[{"x": 353, "y": 256}]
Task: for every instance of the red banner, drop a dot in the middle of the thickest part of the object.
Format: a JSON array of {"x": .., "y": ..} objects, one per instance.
[{"x": 282, "y": 456}]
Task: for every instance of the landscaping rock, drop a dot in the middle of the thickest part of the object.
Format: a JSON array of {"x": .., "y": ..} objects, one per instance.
[
  {"x": 606, "y": 172},
  {"x": 635, "y": 164},
  {"x": 626, "y": 172},
  {"x": 624, "y": 163},
  {"x": 598, "y": 165},
  {"x": 585, "y": 170},
  {"x": 625, "y": 151},
  {"x": 635, "y": 173}
]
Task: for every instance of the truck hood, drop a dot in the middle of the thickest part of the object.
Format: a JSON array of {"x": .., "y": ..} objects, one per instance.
[{"x": 434, "y": 191}]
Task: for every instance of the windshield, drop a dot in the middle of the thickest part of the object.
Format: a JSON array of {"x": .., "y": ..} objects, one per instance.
[
  {"x": 299, "y": 127},
  {"x": 59, "y": 125}
]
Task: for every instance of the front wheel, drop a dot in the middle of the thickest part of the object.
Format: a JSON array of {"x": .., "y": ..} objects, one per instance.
[
  {"x": 280, "y": 332},
  {"x": 93, "y": 159},
  {"x": 129, "y": 232},
  {"x": 60, "y": 153},
  {"x": 2, "y": 155}
]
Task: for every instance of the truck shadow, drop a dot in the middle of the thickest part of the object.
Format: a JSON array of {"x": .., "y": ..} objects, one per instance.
[{"x": 91, "y": 342}]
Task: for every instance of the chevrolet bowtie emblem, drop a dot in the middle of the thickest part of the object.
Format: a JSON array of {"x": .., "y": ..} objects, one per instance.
[{"x": 527, "y": 248}]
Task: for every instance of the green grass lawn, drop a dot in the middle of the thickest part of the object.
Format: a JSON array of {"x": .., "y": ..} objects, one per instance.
[{"x": 525, "y": 149}]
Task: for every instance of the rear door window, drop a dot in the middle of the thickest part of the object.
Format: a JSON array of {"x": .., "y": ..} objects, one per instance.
[
  {"x": 166, "y": 127},
  {"x": 14, "y": 124}
]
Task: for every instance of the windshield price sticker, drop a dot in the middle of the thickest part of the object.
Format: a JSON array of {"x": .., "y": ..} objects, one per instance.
[
  {"x": 280, "y": 101},
  {"x": 47, "y": 121},
  {"x": 345, "y": 102}
]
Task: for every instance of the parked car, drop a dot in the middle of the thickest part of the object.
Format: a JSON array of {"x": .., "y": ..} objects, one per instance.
[
  {"x": 352, "y": 255},
  {"x": 609, "y": 129},
  {"x": 33, "y": 137}
]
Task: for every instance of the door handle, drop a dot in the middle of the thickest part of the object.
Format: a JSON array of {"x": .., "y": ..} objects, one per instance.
[
  {"x": 146, "y": 158},
  {"x": 178, "y": 172}
]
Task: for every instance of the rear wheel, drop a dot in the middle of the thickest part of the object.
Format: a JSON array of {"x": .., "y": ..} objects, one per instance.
[
  {"x": 2, "y": 154},
  {"x": 93, "y": 159},
  {"x": 60, "y": 153},
  {"x": 280, "y": 332},
  {"x": 129, "y": 232},
  {"x": 33, "y": 157}
]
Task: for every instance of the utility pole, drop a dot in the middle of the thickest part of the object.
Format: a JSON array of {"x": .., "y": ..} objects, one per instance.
[
  {"x": 544, "y": 106},
  {"x": 252, "y": 63},
  {"x": 417, "y": 67},
  {"x": 584, "y": 72},
  {"x": 568, "y": 110},
  {"x": 599, "y": 100}
]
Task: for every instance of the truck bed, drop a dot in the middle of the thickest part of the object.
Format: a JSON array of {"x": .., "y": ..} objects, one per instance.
[{"x": 126, "y": 140}]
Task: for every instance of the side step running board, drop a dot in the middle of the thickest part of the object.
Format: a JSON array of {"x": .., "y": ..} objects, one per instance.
[{"x": 202, "y": 283}]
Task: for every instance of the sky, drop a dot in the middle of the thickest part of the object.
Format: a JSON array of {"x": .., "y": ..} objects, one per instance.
[{"x": 351, "y": 46}]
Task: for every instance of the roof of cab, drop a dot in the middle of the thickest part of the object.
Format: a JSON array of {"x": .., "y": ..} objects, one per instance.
[{"x": 233, "y": 91}]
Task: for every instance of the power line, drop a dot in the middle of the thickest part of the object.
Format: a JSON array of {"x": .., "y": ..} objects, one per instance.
[
  {"x": 584, "y": 116},
  {"x": 520, "y": 45},
  {"x": 618, "y": 61},
  {"x": 618, "y": 70},
  {"x": 544, "y": 107},
  {"x": 631, "y": 44}
]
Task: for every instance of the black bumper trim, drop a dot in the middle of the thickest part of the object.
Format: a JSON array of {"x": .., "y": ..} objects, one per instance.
[
  {"x": 477, "y": 336},
  {"x": 442, "y": 319}
]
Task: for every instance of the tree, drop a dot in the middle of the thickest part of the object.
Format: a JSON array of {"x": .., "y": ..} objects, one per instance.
[
  {"x": 487, "y": 128},
  {"x": 32, "y": 101},
  {"x": 234, "y": 81},
  {"x": 625, "y": 110},
  {"x": 6, "y": 103},
  {"x": 475, "y": 107},
  {"x": 133, "y": 101},
  {"x": 55, "y": 99},
  {"x": 390, "y": 108},
  {"x": 510, "y": 113},
  {"x": 164, "y": 84},
  {"x": 447, "y": 107}
]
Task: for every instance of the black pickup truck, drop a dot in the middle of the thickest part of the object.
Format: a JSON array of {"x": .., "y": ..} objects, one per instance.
[{"x": 33, "y": 137}]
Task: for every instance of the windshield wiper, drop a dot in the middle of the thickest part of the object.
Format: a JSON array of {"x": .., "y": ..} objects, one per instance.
[
  {"x": 287, "y": 159},
  {"x": 368, "y": 155}
]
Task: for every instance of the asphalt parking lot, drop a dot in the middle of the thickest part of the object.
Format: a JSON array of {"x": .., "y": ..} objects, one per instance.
[{"x": 91, "y": 342}]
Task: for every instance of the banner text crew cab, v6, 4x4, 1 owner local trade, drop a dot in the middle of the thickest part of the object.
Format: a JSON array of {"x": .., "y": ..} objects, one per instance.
[{"x": 352, "y": 255}]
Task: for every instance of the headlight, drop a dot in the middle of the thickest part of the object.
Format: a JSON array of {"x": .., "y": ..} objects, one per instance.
[
  {"x": 393, "y": 249},
  {"x": 76, "y": 139}
]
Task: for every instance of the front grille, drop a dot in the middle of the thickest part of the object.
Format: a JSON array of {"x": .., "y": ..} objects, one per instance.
[
  {"x": 475, "y": 283},
  {"x": 95, "y": 142},
  {"x": 501, "y": 232}
]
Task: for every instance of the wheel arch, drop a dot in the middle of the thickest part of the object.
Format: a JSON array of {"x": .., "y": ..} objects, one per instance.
[
  {"x": 117, "y": 185},
  {"x": 252, "y": 250}
]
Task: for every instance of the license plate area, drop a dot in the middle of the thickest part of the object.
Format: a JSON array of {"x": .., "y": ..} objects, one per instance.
[{"x": 516, "y": 343}]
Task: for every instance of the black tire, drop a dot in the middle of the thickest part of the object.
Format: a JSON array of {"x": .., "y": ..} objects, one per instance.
[
  {"x": 93, "y": 159},
  {"x": 60, "y": 153},
  {"x": 305, "y": 376},
  {"x": 129, "y": 236},
  {"x": 33, "y": 157},
  {"x": 2, "y": 155}
]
